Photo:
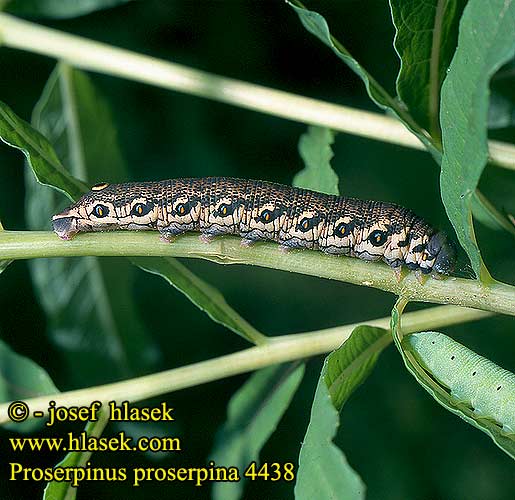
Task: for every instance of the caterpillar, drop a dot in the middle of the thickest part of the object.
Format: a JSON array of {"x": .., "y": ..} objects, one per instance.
[
  {"x": 471, "y": 379},
  {"x": 260, "y": 210}
]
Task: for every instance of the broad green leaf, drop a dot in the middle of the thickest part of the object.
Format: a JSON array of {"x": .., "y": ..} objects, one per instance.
[
  {"x": 324, "y": 472},
  {"x": 425, "y": 40},
  {"x": 91, "y": 313},
  {"x": 21, "y": 378},
  {"x": 3, "y": 263},
  {"x": 349, "y": 365},
  {"x": 67, "y": 490},
  {"x": 58, "y": 8},
  {"x": 253, "y": 415},
  {"x": 39, "y": 153},
  {"x": 315, "y": 150},
  {"x": 485, "y": 42},
  {"x": 317, "y": 25},
  {"x": 203, "y": 295},
  {"x": 407, "y": 347}
]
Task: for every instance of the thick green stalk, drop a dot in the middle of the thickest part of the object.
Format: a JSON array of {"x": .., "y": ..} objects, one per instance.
[
  {"x": 497, "y": 297},
  {"x": 277, "y": 350}
]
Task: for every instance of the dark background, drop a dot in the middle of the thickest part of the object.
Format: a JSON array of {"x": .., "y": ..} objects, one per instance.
[{"x": 400, "y": 441}]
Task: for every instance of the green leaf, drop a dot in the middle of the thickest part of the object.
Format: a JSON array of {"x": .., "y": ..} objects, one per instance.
[
  {"x": 349, "y": 365},
  {"x": 88, "y": 301},
  {"x": 203, "y": 295},
  {"x": 324, "y": 472},
  {"x": 67, "y": 490},
  {"x": 317, "y": 25},
  {"x": 408, "y": 348},
  {"x": 59, "y": 8},
  {"x": 485, "y": 43},
  {"x": 44, "y": 162},
  {"x": 315, "y": 150},
  {"x": 425, "y": 40},
  {"x": 253, "y": 415},
  {"x": 21, "y": 378}
]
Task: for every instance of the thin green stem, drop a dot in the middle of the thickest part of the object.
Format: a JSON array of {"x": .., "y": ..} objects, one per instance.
[
  {"x": 497, "y": 297},
  {"x": 94, "y": 56},
  {"x": 278, "y": 350}
]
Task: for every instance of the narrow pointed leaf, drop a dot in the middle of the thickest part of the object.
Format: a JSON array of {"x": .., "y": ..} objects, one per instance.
[
  {"x": 39, "y": 152},
  {"x": 315, "y": 150},
  {"x": 485, "y": 43},
  {"x": 203, "y": 295},
  {"x": 253, "y": 415},
  {"x": 317, "y": 26}
]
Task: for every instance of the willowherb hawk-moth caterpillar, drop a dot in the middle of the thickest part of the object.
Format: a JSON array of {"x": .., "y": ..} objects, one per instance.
[{"x": 260, "y": 210}]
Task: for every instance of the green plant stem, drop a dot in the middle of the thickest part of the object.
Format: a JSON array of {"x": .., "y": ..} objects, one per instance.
[
  {"x": 497, "y": 297},
  {"x": 278, "y": 350},
  {"x": 90, "y": 55}
]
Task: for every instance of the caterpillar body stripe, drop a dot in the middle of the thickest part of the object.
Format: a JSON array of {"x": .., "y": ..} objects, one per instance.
[
  {"x": 470, "y": 378},
  {"x": 260, "y": 210}
]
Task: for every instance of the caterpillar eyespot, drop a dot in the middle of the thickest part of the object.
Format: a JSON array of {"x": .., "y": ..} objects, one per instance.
[
  {"x": 470, "y": 379},
  {"x": 182, "y": 208},
  {"x": 266, "y": 215},
  {"x": 306, "y": 224},
  {"x": 378, "y": 238},
  {"x": 141, "y": 209},
  {"x": 226, "y": 209},
  {"x": 100, "y": 211},
  {"x": 179, "y": 205}
]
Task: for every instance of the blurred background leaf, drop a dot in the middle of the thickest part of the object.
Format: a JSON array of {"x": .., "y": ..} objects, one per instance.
[
  {"x": 57, "y": 8},
  {"x": 92, "y": 317}
]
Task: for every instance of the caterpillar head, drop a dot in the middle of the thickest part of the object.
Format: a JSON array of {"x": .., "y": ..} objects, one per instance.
[
  {"x": 101, "y": 209},
  {"x": 443, "y": 251}
]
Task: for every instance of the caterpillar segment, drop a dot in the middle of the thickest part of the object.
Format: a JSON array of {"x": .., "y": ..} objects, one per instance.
[{"x": 261, "y": 210}]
